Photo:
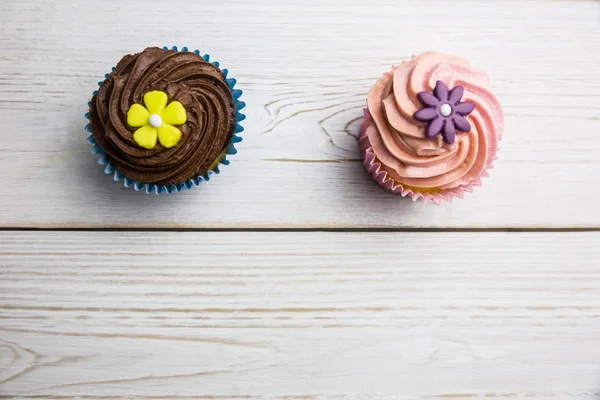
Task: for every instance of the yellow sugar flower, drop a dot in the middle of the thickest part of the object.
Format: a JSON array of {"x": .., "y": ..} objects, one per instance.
[{"x": 156, "y": 120}]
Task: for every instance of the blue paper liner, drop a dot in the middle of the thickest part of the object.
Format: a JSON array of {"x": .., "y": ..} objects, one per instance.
[{"x": 159, "y": 189}]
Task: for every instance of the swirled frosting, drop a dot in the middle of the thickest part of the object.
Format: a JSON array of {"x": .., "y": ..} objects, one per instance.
[
  {"x": 183, "y": 76},
  {"x": 398, "y": 140}
]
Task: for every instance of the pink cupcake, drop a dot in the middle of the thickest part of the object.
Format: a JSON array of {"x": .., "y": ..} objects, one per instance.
[{"x": 431, "y": 129}]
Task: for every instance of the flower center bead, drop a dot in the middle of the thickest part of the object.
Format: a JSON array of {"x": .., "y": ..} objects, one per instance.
[
  {"x": 445, "y": 110},
  {"x": 155, "y": 121}
]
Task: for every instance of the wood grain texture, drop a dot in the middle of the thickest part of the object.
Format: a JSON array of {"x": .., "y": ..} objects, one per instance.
[
  {"x": 299, "y": 315},
  {"x": 305, "y": 67}
]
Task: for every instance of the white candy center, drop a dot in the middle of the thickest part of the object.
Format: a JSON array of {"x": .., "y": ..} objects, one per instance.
[
  {"x": 156, "y": 121},
  {"x": 445, "y": 110}
]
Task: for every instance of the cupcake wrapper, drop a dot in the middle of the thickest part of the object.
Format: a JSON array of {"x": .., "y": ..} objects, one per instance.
[
  {"x": 375, "y": 168},
  {"x": 159, "y": 189}
]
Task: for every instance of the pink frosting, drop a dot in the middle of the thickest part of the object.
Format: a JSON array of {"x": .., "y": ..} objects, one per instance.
[{"x": 398, "y": 141}]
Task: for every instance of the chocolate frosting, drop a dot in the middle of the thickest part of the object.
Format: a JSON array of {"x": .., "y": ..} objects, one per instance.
[{"x": 186, "y": 77}]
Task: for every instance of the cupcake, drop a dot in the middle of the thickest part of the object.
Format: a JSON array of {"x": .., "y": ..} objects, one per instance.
[
  {"x": 431, "y": 128},
  {"x": 163, "y": 120}
]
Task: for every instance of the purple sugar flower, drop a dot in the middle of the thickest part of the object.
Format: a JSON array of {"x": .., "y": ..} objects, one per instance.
[{"x": 444, "y": 112}]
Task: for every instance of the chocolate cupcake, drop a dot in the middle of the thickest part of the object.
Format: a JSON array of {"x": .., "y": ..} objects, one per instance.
[{"x": 163, "y": 120}]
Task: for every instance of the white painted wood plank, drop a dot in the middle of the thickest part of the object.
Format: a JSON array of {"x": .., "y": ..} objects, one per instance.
[
  {"x": 299, "y": 315},
  {"x": 306, "y": 67}
]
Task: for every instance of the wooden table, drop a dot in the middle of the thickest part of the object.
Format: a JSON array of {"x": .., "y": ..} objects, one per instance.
[{"x": 292, "y": 275}]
